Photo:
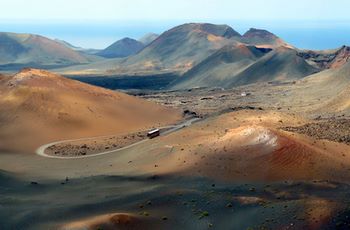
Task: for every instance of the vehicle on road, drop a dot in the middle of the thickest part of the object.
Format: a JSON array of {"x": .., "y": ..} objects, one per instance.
[{"x": 153, "y": 133}]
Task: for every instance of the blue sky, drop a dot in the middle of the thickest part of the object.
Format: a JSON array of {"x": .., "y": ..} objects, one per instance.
[
  {"x": 174, "y": 9},
  {"x": 97, "y": 23}
]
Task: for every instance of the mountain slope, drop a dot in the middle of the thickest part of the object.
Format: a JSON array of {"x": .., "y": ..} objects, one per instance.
[
  {"x": 178, "y": 49},
  {"x": 282, "y": 64},
  {"x": 241, "y": 65},
  {"x": 36, "y": 50},
  {"x": 122, "y": 48},
  {"x": 219, "y": 68},
  {"x": 37, "y": 107},
  {"x": 330, "y": 88}
]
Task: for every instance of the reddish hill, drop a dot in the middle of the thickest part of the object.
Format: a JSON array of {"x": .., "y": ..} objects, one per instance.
[{"x": 248, "y": 146}]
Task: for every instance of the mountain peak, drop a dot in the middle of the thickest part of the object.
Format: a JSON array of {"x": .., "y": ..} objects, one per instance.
[
  {"x": 31, "y": 76},
  {"x": 253, "y": 32},
  {"x": 29, "y": 73},
  {"x": 263, "y": 38},
  {"x": 217, "y": 30},
  {"x": 122, "y": 48},
  {"x": 126, "y": 39}
]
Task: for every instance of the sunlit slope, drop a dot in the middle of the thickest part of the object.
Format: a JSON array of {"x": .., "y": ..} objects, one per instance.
[{"x": 37, "y": 107}]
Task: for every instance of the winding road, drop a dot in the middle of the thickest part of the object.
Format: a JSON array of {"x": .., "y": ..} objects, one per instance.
[{"x": 41, "y": 150}]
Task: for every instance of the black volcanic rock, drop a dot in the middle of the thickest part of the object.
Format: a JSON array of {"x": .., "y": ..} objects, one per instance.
[{"x": 122, "y": 48}]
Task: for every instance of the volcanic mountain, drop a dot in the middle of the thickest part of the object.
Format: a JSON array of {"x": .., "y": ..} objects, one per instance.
[
  {"x": 240, "y": 65},
  {"x": 37, "y": 107},
  {"x": 122, "y": 48},
  {"x": 35, "y": 50},
  {"x": 179, "y": 49}
]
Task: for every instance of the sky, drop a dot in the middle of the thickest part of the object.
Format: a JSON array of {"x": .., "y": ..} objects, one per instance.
[{"x": 98, "y": 23}]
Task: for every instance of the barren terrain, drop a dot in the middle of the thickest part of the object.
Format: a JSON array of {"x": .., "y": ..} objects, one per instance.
[
  {"x": 273, "y": 153},
  {"x": 240, "y": 167}
]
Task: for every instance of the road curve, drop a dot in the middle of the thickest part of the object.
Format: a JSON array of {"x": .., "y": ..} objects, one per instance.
[{"x": 41, "y": 150}]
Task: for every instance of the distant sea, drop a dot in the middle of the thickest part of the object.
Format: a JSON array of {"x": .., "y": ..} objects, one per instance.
[{"x": 308, "y": 35}]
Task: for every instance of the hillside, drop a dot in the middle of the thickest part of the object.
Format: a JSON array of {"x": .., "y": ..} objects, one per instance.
[
  {"x": 178, "y": 49},
  {"x": 37, "y": 107},
  {"x": 282, "y": 64},
  {"x": 122, "y": 48},
  {"x": 248, "y": 146},
  {"x": 219, "y": 68},
  {"x": 243, "y": 65},
  {"x": 35, "y": 50},
  {"x": 330, "y": 87}
]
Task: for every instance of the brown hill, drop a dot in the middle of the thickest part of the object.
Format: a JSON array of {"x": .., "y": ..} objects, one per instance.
[
  {"x": 248, "y": 146},
  {"x": 37, "y": 107}
]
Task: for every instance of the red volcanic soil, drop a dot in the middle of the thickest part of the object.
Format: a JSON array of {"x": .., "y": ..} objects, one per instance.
[{"x": 247, "y": 146}]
